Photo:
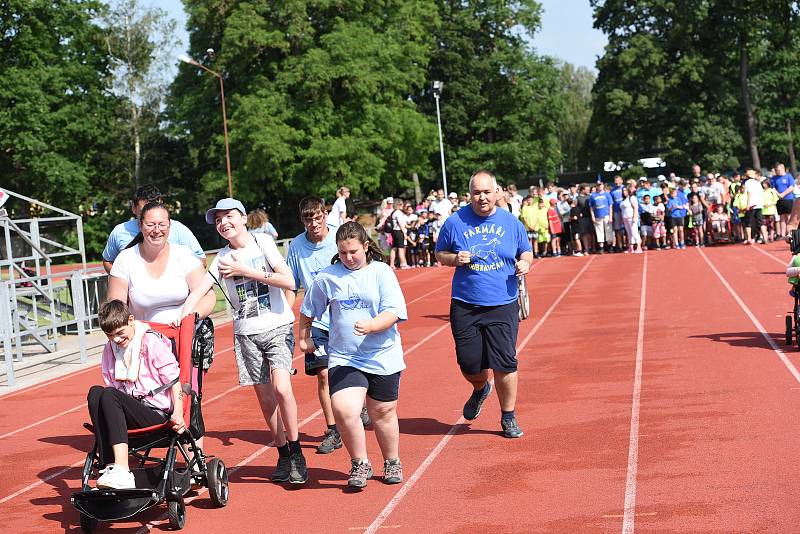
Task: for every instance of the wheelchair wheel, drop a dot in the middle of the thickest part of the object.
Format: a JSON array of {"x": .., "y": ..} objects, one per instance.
[
  {"x": 523, "y": 299},
  {"x": 88, "y": 524},
  {"x": 788, "y": 329},
  {"x": 218, "y": 482},
  {"x": 176, "y": 511}
]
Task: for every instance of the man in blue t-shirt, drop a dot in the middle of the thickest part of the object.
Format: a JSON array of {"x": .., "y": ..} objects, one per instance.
[
  {"x": 616, "y": 223},
  {"x": 783, "y": 183},
  {"x": 489, "y": 248},
  {"x": 124, "y": 233},
  {"x": 600, "y": 203}
]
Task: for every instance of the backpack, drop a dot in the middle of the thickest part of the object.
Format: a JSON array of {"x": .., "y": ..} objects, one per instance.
[{"x": 388, "y": 223}]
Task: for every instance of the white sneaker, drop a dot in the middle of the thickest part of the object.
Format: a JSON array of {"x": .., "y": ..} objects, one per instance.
[
  {"x": 578, "y": 254},
  {"x": 114, "y": 477}
]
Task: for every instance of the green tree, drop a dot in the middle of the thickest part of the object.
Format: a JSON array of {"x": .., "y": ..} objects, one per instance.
[
  {"x": 576, "y": 85},
  {"x": 140, "y": 42},
  {"x": 501, "y": 101},
  {"x": 56, "y": 113},
  {"x": 317, "y": 93}
]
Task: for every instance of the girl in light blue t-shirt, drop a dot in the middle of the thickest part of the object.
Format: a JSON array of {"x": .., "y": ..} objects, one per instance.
[{"x": 365, "y": 356}]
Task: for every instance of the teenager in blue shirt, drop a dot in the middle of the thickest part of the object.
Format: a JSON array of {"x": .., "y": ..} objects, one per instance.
[
  {"x": 309, "y": 253},
  {"x": 677, "y": 206},
  {"x": 783, "y": 183},
  {"x": 600, "y": 203},
  {"x": 489, "y": 248},
  {"x": 365, "y": 356},
  {"x": 616, "y": 199}
]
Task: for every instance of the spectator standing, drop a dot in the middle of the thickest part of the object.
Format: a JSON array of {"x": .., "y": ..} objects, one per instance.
[
  {"x": 601, "y": 212},
  {"x": 783, "y": 183},
  {"x": 770, "y": 210},
  {"x": 629, "y": 213},
  {"x": 399, "y": 224},
  {"x": 338, "y": 213},
  {"x": 754, "y": 218},
  {"x": 617, "y": 223}
]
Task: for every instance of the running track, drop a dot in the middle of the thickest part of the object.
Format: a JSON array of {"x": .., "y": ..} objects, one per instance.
[{"x": 671, "y": 410}]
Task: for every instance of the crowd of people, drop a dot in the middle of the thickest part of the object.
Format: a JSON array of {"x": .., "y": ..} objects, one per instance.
[
  {"x": 624, "y": 216},
  {"x": 347, "y": 325}
]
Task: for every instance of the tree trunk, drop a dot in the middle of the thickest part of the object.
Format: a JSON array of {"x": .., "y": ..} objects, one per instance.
[
  {"x": 790, "y": 147},
  {"x": 748, "y": 105},
  {"x": 417, "y": 188}
]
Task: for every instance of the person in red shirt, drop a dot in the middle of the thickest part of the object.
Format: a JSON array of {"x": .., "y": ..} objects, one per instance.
[{"x": 554, "y": 224}]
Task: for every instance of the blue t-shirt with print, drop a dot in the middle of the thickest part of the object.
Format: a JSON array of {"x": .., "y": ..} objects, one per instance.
[
  {"x": 123, "y": 234},
  {"x": 600, "y": 204},
  {"x": 782, "y": 183},
  {"x": 616, "y": 197},
  {"x": 353, "y": 296},
  {"x": 306, "y": 260},
  {"x": 495, "y": 243}
]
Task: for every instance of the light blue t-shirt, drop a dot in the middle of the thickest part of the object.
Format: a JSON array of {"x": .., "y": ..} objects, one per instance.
[
  {"x": 495, "y": 243},
  {"x": 307, "y": 259},
  {"x": 353, "y": 296},
  {"x": 123, "y": 234}
]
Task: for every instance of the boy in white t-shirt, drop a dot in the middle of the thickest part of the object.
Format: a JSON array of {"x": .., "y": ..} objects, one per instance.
[{"x": 253, "y": 275}]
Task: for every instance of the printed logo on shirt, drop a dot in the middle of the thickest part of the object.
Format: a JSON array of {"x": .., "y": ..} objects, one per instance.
[
  {"x": 253, "y": 296},
  {"x": 484, "y": 253},
  {"x": 353, "y": 302}
]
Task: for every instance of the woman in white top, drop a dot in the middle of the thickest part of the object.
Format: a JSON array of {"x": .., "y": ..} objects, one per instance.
[
  {"x": 154, "y": 276},
  {"x": 629, "y": 208},
  {"x": 338, "y": 214}
]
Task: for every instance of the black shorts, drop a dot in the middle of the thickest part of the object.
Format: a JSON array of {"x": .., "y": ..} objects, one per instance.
[
  {"x": 319, "y": 358},
  {"x": 485, "y": 336},
  {"x": 382, "y": 388},
  {"x": 585, "y": 226},
  {"x": 398, "y": 239},
  {"x": 753, "y": 218},
  {"x": 677, "y": 222},
  {"x": 784, "y": 206}
]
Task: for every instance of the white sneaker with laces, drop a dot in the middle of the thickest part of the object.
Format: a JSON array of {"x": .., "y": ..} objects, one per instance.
[{"x": 115, "y": 477}]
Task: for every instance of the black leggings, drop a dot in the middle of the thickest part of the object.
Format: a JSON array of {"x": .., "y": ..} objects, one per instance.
[{"x": 113, "y": 412}]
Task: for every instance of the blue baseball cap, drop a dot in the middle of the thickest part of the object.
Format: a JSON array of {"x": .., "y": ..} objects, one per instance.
[{"x": 224, "y": 204}]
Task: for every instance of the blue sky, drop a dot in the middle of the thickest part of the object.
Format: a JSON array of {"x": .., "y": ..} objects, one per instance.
[{"x": 566, "y": 32}]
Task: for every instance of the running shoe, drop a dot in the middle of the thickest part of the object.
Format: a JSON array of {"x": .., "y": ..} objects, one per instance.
[
  {"x": 360, "y": 472},
  {"x": 365, "y": 420},
  {"x": 298, "y": 473},
  {"x": 392, "y": 471},
  {"x": 511, "y": 428},
  {"x": 331, "y": 442},
  {"x": 115, "y": 477},
  {"x": 281, "y": 473},
  {"x": 472, "y": 408},
  {"x": 577, "y": 254}
]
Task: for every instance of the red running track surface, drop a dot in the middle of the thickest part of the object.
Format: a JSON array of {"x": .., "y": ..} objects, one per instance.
[{"x": 714, "y": 421}]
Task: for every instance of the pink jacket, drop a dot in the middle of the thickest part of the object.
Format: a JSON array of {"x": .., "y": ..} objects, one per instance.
[{"x": 158, "y": 367}]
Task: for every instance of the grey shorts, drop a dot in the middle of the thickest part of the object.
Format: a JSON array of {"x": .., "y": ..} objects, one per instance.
[{"x": 257, "y": 354}]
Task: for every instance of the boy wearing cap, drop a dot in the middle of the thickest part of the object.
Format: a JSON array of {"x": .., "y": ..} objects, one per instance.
[{"x": 253, "y": 274}]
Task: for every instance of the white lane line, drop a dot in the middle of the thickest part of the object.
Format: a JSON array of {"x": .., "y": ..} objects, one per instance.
[
  {"x": 789, "y": 365},
  {"x": 38, "y": 483},
  {"x": 74, "y": 408},
  {"x": 769, "y": 255},
  {"x": 378, "y": 522},
  {"x": 629, "y": 512},
  {"x": 428, "y": 294},
  {"x": 205, "y": 402}
]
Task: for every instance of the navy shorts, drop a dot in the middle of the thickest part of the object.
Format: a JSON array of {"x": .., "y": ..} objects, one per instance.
[
  {"x": 319, "y": 358},
  {"x": 485, "y": 336},
  {"x": 785, "y": 206},
  {"x": 382, "y": 388}
]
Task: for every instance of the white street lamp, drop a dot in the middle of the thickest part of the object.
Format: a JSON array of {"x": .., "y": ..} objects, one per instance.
[{"x": 437, "y": 93}]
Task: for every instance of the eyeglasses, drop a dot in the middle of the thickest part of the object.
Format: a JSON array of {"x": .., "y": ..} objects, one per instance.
[
  {"x": 152, "y": 226},
  {"x": 318, "y": 218}
]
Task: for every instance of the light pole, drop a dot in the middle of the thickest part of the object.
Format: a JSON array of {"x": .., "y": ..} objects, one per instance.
[
  {"x": 190, "y": 61},
  {"x": 437, "y": 92}
]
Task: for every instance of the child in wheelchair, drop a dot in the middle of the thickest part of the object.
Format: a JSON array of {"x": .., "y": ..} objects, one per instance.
[{"x": 141, "y": 389}]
